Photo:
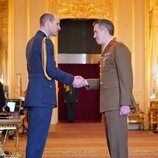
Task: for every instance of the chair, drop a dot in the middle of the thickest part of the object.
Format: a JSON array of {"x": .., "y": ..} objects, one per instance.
[
  {"x": 15, "y": 105},
  {"x": 12, "y": 123},
  {"x": 153, "y": 115},
  {"x": 136, "y": 116}
]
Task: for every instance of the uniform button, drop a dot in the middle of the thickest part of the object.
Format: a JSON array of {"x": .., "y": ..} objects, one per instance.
[
  {"x": 101, "y": 82},
  {"x": 50, "y": 86}
]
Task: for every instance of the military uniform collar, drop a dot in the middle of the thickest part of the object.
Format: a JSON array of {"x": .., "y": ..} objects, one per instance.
[
  {"x": 45, "y": 33},
  {"x": 109, "y": 42}
]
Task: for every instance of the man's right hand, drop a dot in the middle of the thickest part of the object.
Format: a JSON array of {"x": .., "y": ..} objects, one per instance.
[{"x": 79, "y": 82}]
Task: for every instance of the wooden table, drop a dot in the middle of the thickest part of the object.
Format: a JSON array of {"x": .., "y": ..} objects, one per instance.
[{"x": 14, "y": 122}]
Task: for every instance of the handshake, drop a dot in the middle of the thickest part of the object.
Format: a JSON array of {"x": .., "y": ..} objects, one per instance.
[{"x": 79, "y": 82}]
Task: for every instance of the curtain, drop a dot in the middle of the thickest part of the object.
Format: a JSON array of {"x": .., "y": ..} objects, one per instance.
[
  {"x": 154, "y": 48},
  {"x": 3, "y": 40}
]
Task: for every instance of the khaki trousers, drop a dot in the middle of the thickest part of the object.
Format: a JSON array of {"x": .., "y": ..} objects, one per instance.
[{"x": 117, "y": 133}]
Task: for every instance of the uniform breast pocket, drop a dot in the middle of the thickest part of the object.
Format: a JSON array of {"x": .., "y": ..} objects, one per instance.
[{"x": 110, "y": 64}]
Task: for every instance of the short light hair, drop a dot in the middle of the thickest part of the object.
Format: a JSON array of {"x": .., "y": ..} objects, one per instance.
[
  {"x": 46, "y": 17},
  {"x": 104, "y": 23}
]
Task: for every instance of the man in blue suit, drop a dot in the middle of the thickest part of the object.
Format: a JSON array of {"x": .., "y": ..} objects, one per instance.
[{"x": 41, "y": 91}]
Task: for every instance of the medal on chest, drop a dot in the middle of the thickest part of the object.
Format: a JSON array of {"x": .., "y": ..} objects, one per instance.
[
  {"x": 106, "y": 54},
  {"x": 103, "y": 58}
]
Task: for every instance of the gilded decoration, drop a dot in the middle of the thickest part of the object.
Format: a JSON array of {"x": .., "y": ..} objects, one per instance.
[
  {"x": 3, "y": 39},
  {"x": 85, "y": 9}
]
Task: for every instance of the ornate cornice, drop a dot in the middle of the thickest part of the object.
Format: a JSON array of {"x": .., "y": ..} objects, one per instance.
[{"x": 85, "y": 9}]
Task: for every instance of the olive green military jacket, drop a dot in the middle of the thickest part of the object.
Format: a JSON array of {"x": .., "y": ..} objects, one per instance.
[{"x": 116, "y": 79}]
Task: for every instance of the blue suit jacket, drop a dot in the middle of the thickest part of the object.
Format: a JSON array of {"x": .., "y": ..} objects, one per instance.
[{"x": 42, "y": 92}]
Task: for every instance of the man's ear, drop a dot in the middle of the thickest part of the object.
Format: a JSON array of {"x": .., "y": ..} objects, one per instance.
[
  {"x": 47, "y": 22},
  {"x": 105, "y": 30}
]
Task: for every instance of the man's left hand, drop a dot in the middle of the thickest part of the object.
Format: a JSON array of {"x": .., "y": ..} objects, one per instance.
[{"x": 124, "y": 110}]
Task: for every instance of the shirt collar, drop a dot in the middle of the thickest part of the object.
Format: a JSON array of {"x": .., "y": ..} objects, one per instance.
[{"x": 44, "y": 32}]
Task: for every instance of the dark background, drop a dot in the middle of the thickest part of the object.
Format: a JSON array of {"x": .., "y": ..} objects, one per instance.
[
  {"x": 76, "y": 36},
  {"x": 87, "y": 108}
]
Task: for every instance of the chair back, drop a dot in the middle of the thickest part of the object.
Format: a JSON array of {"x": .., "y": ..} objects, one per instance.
[
  {"x": 15, "y": 105},
  {"x": 137, "y": 116}
]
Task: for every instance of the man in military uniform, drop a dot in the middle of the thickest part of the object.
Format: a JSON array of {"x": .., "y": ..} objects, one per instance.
[
  {"x": 41, "y": 91},
  {"x": 115, "y": 83},
  {"x": 70, "y": 98}
]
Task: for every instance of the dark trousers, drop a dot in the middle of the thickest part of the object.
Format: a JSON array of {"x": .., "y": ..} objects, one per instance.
[
  {"x": 116, "y": 133},
  {"x": 70, "y": 112},
  {"x": 38, "y": 126}
]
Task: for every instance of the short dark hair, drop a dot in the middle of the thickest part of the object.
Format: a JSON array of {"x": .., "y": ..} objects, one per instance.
[
  {"x": 104, "y": 23},
  {"x": 45, "y": 17}
]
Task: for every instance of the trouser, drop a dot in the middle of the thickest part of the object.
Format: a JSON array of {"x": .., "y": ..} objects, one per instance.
[
  {"x": 70, "y": 111},
  {"x": 116, "y": 133},
  {"x": 38, "y": 125}
]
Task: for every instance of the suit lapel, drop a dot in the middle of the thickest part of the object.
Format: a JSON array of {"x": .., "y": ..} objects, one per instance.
[
  {"x": 110, "y": 44},
  {"x": 106, "y": 49}
]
